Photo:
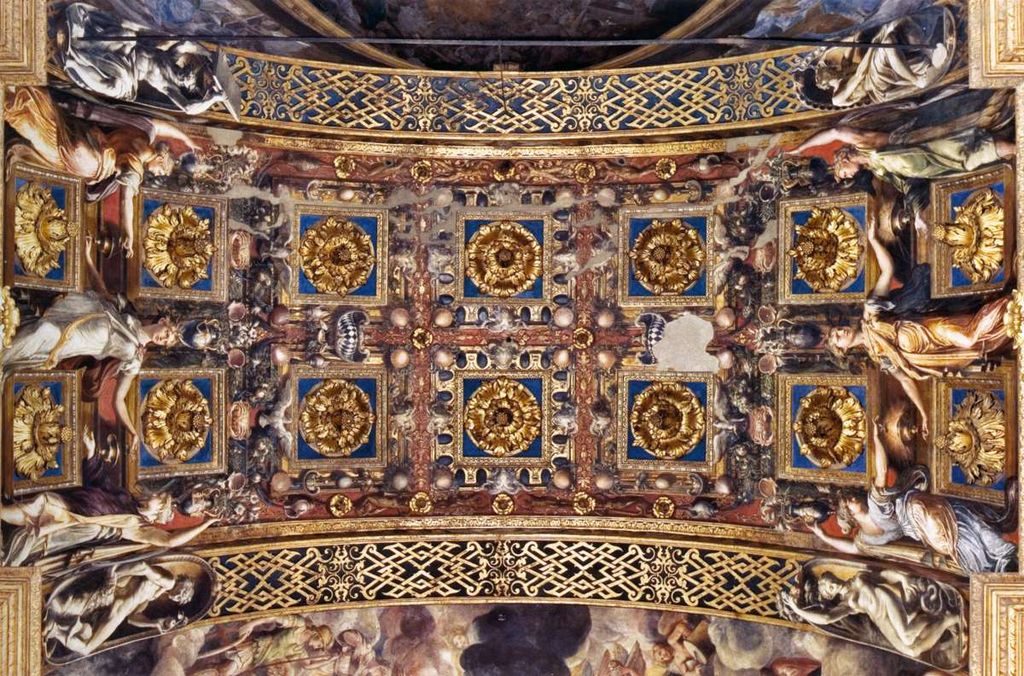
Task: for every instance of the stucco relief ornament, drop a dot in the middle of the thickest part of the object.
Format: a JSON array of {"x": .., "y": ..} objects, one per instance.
[
  {"x": 830, "y": 427},
  {"x": 503, "y": 259},
  {"x": 37, "y": 432},
  {"x": 175, "y": 421},
  {"x": 42, "y": 231},
  {"x": 178, "y": 247},
  {"x": 503, "y": 417},
  {"x": 336, "y": 418},
  {"x": 10, "y": 317},
  {"x": 667, "y": 420},
  {"x": 976, "y": 236},
  {"x": 975, "y": 438},
  {"x": 667, "y": 257},
  {"x": 337, "y": 256},
  {"x": 828, "y": 250}
]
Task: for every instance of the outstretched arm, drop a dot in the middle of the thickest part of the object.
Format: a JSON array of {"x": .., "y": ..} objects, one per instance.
[
  {"x": 168, "y": 132},
  {"x": 839, "y": 544},
  {"x": 816, "y": 617},
  {"x": 151, "y": 535},
  {"x": 886, "y": 265},
  {"x": 124, "y": 384},
  {"x": 846, "y": 135},
  {"x": 914, "y": 394}
]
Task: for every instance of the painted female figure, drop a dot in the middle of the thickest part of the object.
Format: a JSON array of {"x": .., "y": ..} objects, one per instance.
[
  {"x": 914, "y": 350},
  {"x": 949, "y": 528}
]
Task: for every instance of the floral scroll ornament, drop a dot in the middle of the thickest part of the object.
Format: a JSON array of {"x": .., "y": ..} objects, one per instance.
[
  {"x": 667, "y": 257},
  {"x": 976, "y": 236},
  {"x": 175, "y": 421},
  {"x": 828, "y": 250},
  {"x": 37, "y": 432},
  {"x": 503, "y": 504},
  {"x": 1013, "y": 318},
  {"x": 667, "y": 420},
  {"x": 975, "y": 438},
  {"x": 336, "y": 418},
  {"x": 337, "y": 256},
  {"x": 830, "y": 427},
  {"x": 665, "y": 168},
  {"x": 503, "y": 417},
  {"x": 178, "y": 246},
  {"x": 42, "y": 231},
  {"x": 503, "y": 259}
]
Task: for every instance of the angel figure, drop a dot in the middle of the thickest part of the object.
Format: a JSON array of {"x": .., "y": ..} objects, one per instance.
[
  {"x": 82, "y": 615},
  {"x": 949, "y": 528}
]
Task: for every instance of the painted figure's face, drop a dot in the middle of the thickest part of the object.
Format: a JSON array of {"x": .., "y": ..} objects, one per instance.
[
  {"x": 157, "y": 509},
  {"x": 182, "y": 591},
  {"x": 829, "y": 588},
  {"x": 167, "y": 333},
  {"x": 856, "y": 506},
  {"x": 315, "y": 641},
  {"x": 662, "y": 654},
  {"x": 845, "y": 167},
  {"x": 162, "y": 164},
  {"x": 842, "y": 337}
]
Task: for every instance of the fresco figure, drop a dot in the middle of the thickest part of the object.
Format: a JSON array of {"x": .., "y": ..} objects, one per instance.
[
  {"x": 183, "y": 72},
  {"x": 105, "y": 161},
  {"x": 290, "y": 638},
  {"x": 915, "y": 350},
  {"x": 100, "y": 512},
  {"x": 908, "y": 167},
  {"x": 949, "y": 528},
  {"x": 82, "y": 615},
  {"x": 909, "y": 612}
]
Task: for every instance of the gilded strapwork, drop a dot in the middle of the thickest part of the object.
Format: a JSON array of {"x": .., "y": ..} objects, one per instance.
[
  {"x": 667, "y": 420},
  {"x": 830, "y": 427},
  {"x": 720, "y": 579},
  {"x": 175, "y": 421},
  {"x": 975, "y": 437},
  {"x": 178, "y": 247},
  {"x": 42, "y": 231},
  {"x": 336, "y": 418},
  {"x": 667, "y": 257},
  {"x": 337, "y": 255},
  {"x": 502, "y": 417},
  {"x": 503, "y": 259},
  {"x": 828, "y": 250},
  {"x": 38, "y": 432},
  {"x": 976, "y": 236}
]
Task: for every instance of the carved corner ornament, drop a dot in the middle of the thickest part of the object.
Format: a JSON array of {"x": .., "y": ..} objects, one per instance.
[
  {"x": 996, "y": 43},
  {"x": 997, "y": 625},
  {"x": 23, "y": 42},
  {"x": 21, "y": 612}
]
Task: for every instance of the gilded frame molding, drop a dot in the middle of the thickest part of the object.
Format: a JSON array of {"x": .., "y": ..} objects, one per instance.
[
  {"x": 218, "y": 262},
  {"x": 784, "y": 430},
  {"x": 21, "y": 619},
  {"x": 74, "y": 212},
  {"x": 997, "y": 625},
  {"x": 291, "y": 461},
  {"x": 996, "y": 40},
  {"x": 218, "y": 431},
  {"x": 788, "y": 207},
  {"x": 940, "y": 256},
  {"x": 326, "y": 210},
  {"x": 624, "y": 271}
]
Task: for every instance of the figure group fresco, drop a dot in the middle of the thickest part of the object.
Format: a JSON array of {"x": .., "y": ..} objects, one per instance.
[{"x": 226, "y": 329}]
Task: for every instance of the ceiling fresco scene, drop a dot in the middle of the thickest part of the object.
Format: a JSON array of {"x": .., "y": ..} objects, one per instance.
[{"x": 329, "y": 355}]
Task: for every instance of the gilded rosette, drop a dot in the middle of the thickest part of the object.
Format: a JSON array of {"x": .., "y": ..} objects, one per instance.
[
  {"x": 503, "y": 417},
  {"x": 975, "y": 438},
  {"x": 503, "y": 259},
  {"x": 175, "y": 421},
  {"x": 336, "y": 418},
  {"x": 337, "y": 256},
  {"x": 37, "y": 432},
  {"x": 1013, "y": 318},
  {"x": 667, "y": 420},
  {"x": 828, "y": 250},
  {"x": 667, "y": 257},
  {"x": 42, "y": 231},
  {"x": 975, "y": 236},
  {"x": 178, "y": 246},
  {"x": 830, "y": 427}
]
